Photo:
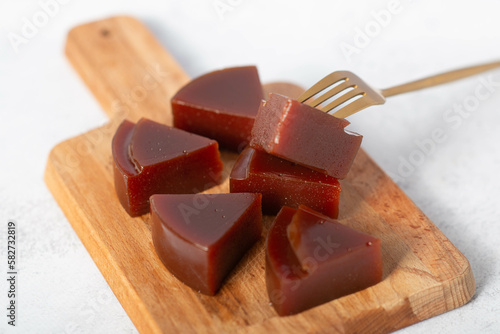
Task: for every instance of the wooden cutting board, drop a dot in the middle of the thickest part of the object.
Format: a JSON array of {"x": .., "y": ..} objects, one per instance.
[{"x": 132, "y": 76}]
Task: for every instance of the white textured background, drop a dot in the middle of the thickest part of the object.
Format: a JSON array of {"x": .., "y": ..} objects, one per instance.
[{"x": 455, "y": 182}]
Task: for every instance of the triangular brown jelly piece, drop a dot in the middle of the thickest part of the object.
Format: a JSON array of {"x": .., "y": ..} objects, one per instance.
[
  {"x": 200, "y": 238},
  {"x": 221, "y": 105},
  {"x": 312, "y": 259},
  {"x": 152, "y": 158}
]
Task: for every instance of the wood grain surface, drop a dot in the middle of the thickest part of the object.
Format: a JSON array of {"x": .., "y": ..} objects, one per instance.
[{"x": 132, "y": 76}]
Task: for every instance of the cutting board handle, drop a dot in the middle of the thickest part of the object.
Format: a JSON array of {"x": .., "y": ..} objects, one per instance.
[{"x": 124, "y": 66}]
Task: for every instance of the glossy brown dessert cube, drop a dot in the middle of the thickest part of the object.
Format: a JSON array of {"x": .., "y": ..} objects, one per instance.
[
  {"x": 312, "y": 259},
  {"x": 152, "y": 158},
  {"x": 284, "y": 183},
  {"x": 200, "y": 238},
  {"x": 221, "y": 105},
  {"x": 305, "y": 135}
]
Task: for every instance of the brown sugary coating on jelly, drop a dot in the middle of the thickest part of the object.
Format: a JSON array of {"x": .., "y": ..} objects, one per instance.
[
  {"x": 152, "y": 158},
  {"x": 221, "y": 105},
  {"x": 305, "y": 135},
  {"x": 200, "y": 238},
  {"x": 312, "y": 259},
  {"x": 284, "y": 183}
]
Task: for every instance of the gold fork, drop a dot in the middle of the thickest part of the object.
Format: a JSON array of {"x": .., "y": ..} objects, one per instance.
[{"x": 358, "y": 95}]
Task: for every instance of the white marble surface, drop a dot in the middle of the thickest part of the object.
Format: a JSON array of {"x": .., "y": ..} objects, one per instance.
[{"x": 455, "y": 182}]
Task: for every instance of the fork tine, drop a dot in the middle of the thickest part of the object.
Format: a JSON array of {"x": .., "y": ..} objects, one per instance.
[
  {"x": 353, "y": 107},
  {"x": 341, "y": 99},
  {"x": 327, "y": 81},
  {"x": 332, "y": 92}
]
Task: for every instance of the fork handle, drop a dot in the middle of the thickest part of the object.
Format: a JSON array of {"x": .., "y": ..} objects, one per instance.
[{"x": 438, "y": 79}]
